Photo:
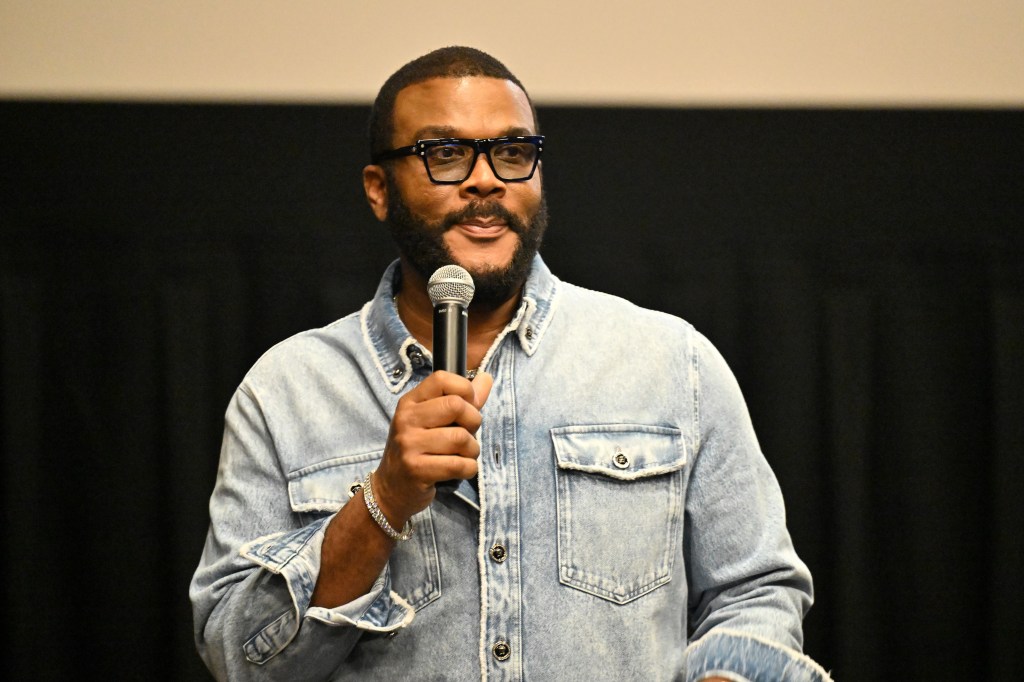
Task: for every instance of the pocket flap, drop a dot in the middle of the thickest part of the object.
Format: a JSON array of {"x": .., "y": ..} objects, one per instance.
[
  {"x": 623, "y": 451},
  {"x": 327, "y": 486}
]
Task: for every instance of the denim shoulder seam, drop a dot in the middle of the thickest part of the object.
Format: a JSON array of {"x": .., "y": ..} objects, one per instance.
[
  {"x": 693, "y": 367},
  {"x": 289, "y": 340},
  {"x": 253, "y": 395}
]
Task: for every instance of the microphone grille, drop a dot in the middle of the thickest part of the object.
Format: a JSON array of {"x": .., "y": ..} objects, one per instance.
[{"x": 450, "y": 284}]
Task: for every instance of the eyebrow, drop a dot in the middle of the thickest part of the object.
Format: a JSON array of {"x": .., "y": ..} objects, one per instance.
[{"x": 440, "y": 132}]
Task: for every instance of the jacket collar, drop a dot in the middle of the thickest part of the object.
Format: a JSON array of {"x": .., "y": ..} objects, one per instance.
[{"x": 397, "y": 355}]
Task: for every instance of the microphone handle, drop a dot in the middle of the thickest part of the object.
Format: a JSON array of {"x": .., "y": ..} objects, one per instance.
[{"x": 450, "y": 332}]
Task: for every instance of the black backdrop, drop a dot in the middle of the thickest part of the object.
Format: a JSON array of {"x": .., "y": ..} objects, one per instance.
[{"x": 861, "y": 270}]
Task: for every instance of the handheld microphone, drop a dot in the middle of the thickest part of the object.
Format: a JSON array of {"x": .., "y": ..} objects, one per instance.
[{"x": 450, "y": 289}]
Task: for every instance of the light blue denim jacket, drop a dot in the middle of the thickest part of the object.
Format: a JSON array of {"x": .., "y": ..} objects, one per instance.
[{"x": 642, "y": 534}]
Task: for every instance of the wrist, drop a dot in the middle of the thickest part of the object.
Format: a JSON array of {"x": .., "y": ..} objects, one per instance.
[{"x": 377, "y": 514}]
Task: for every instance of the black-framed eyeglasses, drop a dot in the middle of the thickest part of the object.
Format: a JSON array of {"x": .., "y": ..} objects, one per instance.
[{"x": 450, "y": 161}]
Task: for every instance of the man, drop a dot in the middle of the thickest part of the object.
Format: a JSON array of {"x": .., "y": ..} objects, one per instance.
[{"x": 613, "y": 517}]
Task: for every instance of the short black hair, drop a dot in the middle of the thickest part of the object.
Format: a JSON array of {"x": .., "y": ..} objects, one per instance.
[{"x": 445, "y": 62}]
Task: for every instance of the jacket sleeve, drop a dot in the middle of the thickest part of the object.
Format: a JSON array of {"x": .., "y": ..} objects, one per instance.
[
  {"x": 250, "y": 594},
  {"x": 749, "y": 591}
]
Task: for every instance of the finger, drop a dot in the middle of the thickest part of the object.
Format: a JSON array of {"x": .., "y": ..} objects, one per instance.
[
  {"x": 441, "y": 411},
  {"x": 482, "y": 384},
  {"x": 412, "y": 445},
  {"x": 461, "y": 409},
  {"x": 450, "y": 440},
  {"x": 441, "y": 383},
  {"x": 444, "y": 468}
]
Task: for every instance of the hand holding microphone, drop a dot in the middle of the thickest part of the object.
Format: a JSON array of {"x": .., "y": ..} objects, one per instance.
[
  {"x": 432, "y": 439},
  {"x": 450, "y": 289}
]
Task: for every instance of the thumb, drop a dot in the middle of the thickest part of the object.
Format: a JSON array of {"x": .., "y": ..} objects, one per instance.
[{"x": 482, "y": 383}]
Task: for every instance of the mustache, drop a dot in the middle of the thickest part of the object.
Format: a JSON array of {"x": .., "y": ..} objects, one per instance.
[{"x": 480, "y": 209}]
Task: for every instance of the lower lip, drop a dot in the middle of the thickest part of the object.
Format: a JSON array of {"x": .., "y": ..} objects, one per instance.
[{"x": 480, "y": 232}]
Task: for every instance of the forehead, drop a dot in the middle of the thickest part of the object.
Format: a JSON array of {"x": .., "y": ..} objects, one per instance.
[{"x": 461, "y": 107}]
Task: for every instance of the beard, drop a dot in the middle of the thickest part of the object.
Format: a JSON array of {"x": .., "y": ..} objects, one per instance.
[{"x": 422, "y": 244}]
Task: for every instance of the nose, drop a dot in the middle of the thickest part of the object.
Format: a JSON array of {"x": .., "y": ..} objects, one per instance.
[{"x": 482, "y": 182}]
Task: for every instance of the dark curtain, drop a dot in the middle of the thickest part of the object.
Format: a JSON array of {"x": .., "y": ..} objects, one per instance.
[{"x": 861, "y": 270}]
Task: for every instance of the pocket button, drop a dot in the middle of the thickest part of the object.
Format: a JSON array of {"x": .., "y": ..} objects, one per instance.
[{"x": 620, "y": 460}]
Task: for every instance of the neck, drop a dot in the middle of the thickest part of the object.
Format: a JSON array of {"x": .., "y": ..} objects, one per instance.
[{"x": 417, "y": 313}]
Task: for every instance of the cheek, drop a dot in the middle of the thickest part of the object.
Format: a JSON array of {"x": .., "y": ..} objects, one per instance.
[
  {"x": 423, "y": 197},
  {"x": 434, "y": 200},
  {"x": 531, "y": 196},
  {"x": 423, "y": 205}
]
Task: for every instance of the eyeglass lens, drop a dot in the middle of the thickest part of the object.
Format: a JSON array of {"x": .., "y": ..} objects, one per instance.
[{"x": 510, "y": 160}]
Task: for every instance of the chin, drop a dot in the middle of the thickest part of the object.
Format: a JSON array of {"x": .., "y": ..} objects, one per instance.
[
  {"x": 477, "y": 262},
  {"x": 483, "y": 266}
]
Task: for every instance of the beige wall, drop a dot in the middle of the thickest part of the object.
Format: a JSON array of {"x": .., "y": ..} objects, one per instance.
[{"x": 789, "y": 52}]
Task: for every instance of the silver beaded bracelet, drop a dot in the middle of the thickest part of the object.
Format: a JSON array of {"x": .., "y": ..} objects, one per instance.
[{"x": 378, "y": 515}]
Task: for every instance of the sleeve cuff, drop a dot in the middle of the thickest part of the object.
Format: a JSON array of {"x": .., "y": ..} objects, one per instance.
[
  {"x": 295, "y": 557},
  {"x": 379, "y": 610},
  {"x": 743, "y": 657}
]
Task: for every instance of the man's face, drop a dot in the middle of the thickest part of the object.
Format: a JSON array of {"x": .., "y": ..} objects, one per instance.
[{"x": 490, "y": 227}]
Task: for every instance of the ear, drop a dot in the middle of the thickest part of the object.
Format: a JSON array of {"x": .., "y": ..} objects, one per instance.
[{"x": 375, "y": 185}]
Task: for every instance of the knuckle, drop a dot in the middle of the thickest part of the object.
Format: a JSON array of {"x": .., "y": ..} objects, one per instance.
[
  {"x": 402, "y": 441},
  {"x": 457, "y": 437},
  {"x": 400, "y": 421},
  {"x": 416, "y": 470},
  {"x": 453, "y": 404}
]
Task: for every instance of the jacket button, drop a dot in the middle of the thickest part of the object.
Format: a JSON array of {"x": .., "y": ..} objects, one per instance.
[
  {"x": 501, "y": 650},
  {"x": 397, "y": 372},
  {"x": 529, "y": 333},
  {"x": 498, "y": 553},
  {"x": 621, "y": 461}
]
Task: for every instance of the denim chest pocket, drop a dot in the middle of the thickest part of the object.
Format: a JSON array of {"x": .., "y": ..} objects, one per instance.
[
  {"x": 324, "y": 488},
  {"x": 619, "y": 494}
]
